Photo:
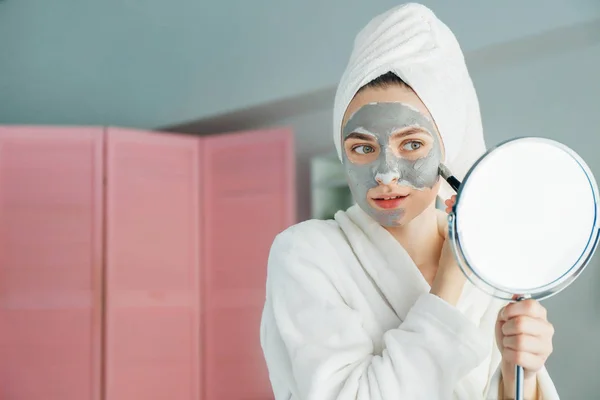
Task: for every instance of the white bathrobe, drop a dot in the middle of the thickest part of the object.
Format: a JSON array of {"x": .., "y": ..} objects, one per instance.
[{"x": 348, "y": 315}]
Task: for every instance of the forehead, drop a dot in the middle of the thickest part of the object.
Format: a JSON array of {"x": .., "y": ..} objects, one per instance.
[
  {"x": 390, "y": 94},
  {"x": 387, "y": 118}
]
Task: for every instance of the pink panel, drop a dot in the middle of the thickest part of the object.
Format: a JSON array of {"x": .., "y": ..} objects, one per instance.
[
  {"x": 248, "y": 198},
  {"x": 50, "y": 263},
  {"x": 152, "y": 296}
]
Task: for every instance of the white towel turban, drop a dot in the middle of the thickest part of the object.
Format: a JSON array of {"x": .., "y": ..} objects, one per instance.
[{"x": 410, "y": 41}]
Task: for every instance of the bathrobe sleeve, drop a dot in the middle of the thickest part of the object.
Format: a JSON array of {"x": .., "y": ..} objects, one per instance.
[{"x": 332, "y": 355}]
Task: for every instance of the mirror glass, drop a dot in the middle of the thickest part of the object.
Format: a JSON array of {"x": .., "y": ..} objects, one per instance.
[{"x": 525, "y": 219}]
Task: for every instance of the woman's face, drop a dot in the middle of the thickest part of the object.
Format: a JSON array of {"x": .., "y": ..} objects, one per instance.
[{"x": 391, "y": 154}]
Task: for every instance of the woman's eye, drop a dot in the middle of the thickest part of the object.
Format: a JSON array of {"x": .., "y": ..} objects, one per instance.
[
  {"x": 364, "y": 149},
  {"x": 412, "y": 146}
]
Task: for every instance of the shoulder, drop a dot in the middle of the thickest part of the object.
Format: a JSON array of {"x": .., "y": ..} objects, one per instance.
[
  {"x": 309, "y": 254},
  {"x": 312, "y": 234}
]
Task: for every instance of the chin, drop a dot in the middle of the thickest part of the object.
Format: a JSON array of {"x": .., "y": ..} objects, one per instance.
[
  {"x": 400, "y": 217},
  {"x": 389, "y": 218}
]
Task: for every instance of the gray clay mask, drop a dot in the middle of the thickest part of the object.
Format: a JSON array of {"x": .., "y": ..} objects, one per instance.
[{"x": 381, "y": 121}]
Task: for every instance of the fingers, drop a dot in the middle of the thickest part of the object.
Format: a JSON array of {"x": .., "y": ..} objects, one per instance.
[
  {"x": 529, "y": 361},
  {"x": 528, "y": 326},
  {"x": 524, "y": 334},
  {"x": 450, "y": 203},
  {"x": 529, "y": 308},
  {"x": 527, "y": 344}
]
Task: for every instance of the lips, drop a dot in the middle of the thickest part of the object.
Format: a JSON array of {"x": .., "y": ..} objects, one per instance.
[
  {"x": 388, "y": 197},
  {"x": 389, "y": 201}
]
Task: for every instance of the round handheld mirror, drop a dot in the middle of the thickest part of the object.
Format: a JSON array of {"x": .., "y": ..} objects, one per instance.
[{"x": 525, "y": 220}]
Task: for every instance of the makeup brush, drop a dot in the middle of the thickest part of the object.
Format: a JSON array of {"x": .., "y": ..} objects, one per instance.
[{"x": 447, "y": 175}]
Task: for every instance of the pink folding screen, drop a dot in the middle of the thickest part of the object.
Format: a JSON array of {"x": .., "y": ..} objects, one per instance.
[
  {"x": 50, "y": 263},
  {"x": 248, "y": 181},
  {"x": 133, "y": 263},
  {"x": 152, "y": 266}
]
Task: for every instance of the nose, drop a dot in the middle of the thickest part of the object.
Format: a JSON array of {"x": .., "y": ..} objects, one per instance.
[{"x": 387, "y": 178}]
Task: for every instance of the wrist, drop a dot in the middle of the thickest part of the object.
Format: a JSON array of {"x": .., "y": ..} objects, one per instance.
[
  {"x": 448, "y": 285},
  {"x": 445, "y": 291}
]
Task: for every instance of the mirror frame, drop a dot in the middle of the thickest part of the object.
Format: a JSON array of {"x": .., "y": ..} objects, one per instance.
[{"x": 547, "y": 290}]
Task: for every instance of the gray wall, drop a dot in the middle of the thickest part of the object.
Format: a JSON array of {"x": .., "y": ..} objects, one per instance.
[
  {"x": 154, "y": 63},
  {"x": 558, "y": 97}
]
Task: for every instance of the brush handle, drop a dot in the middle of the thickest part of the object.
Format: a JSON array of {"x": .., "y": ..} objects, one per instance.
[{"x": 453, "y": 182}]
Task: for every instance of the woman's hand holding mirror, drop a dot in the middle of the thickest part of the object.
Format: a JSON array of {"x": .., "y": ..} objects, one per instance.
[{"x": 524, "y": 337}]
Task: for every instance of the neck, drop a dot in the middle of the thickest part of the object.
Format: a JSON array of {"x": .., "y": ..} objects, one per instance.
[{"x": 421, "y": 238}]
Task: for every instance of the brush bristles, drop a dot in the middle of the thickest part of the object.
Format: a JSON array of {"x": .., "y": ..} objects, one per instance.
[{"x": 444, "y": 171}]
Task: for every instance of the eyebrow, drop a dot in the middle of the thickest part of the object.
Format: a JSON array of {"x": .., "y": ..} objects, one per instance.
[
  {"x": 361, "y": 133},
  {"x": 361, "y": 136},
  {"x": 410, "y": 130}
]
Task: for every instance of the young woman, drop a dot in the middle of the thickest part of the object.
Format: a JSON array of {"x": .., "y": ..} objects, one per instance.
[{"x": 372, "y": 305}]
